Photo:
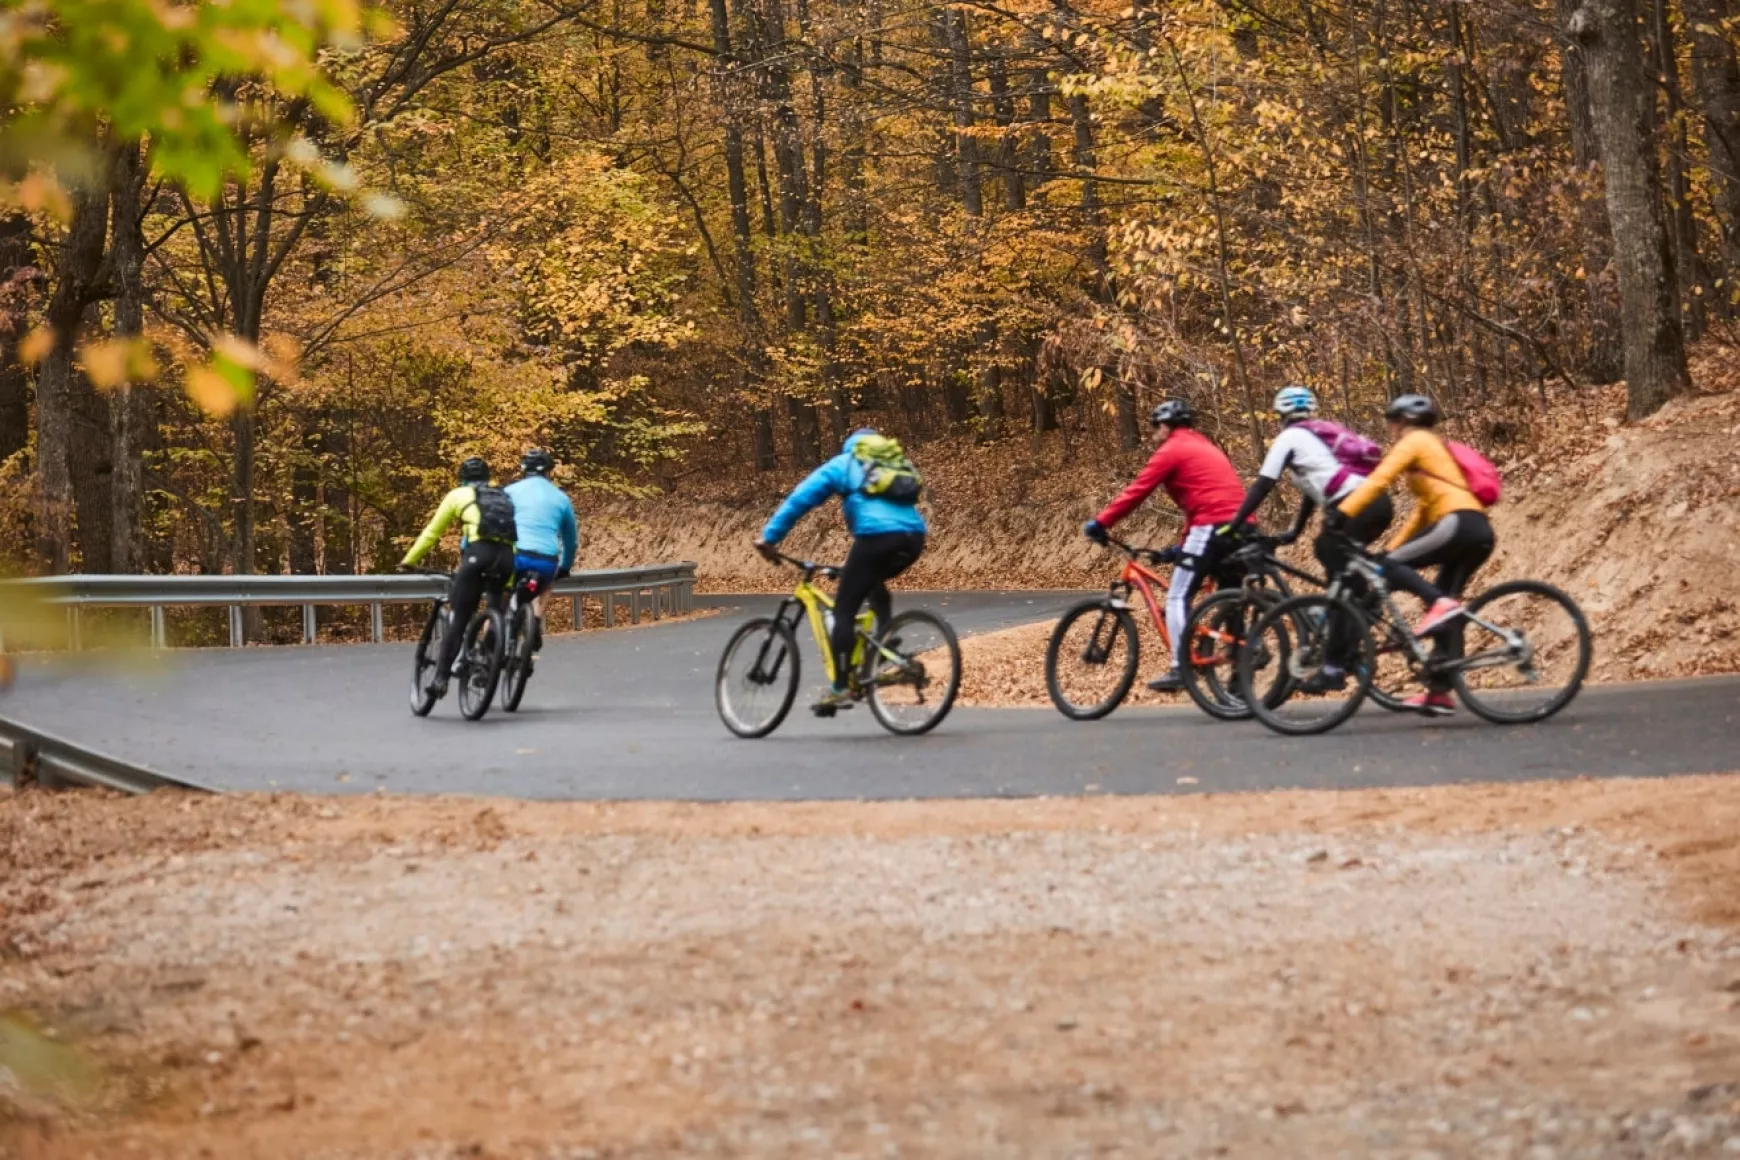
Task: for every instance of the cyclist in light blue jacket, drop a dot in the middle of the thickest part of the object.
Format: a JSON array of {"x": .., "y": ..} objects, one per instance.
[
  {"x": 887, "y": 538},
  {"x": 549, "y": 535}
]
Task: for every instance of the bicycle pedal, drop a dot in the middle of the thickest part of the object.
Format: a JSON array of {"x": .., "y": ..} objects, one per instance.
[{"x": 824, "y": 710}]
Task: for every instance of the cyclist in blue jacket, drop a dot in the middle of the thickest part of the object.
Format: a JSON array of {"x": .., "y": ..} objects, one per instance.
[
  {"x": 887, "y": 537},
  {"x": 549, "y": 535}
]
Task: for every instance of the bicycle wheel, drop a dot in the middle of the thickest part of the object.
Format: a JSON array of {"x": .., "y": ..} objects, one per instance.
[
  {"x": 516, "y": 669},
  {"x": 912, "y": 695},
  {"x": 428, "y": 655},
  {"x": 1090, "y": 663},
  {"x": 1296, "y": 634},
  {"x": 480, "y": 663},
  {"x": 1216, "y": 632},
  {"x": 1526, "y": 652},
  {"x": 758, "y": 677}
]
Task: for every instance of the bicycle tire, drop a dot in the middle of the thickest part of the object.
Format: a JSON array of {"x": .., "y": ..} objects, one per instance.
[
  {"x": 480, "y": 666},
  {"x": 1211, "y": 694},
  {"x": 1124, "y": 626},
  {"x": 1306, "y": 643},
  {"x": 779, "y": 634},
  {"x": 1585, "y": 653},
  {"x": 424, "y": 660},
  {"x": 950, "y": 643},
  {"x": 516, "y": 670}
]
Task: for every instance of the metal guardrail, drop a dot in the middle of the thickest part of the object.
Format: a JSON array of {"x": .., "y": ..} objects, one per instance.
[
  {"x": 56, "y": 763},
  {"x": 660, "y": 589}
]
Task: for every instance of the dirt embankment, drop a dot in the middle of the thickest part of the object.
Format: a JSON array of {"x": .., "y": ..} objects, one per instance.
[{"x": 1492, "y": 970}]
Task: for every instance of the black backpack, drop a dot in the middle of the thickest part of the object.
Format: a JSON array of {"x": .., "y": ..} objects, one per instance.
[{"x": 495, "y": 515}]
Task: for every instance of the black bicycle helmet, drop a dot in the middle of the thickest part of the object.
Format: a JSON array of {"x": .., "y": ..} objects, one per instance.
[
  {"x": 1173, "y": 413},
  {"x": 474, "y": 470},
  {"x": 1416, "y": 410},
  {"x": 537, "y": 461}
]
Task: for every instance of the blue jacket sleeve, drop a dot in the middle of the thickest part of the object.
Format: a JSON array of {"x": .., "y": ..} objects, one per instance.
[
  {"x": 825, "y": 482},
  {"x": 570, "y": 534}
]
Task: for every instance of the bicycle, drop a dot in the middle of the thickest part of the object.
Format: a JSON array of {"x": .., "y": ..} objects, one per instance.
[
  {"x": 1076, "y": 676},
  {"x": 1517, "y": 628},
  {"x": 1217, "y": 625},
  {"x": 899, "y": 668},
  {"x": 522, "y": 624},
  {"x": 478, "y": 665}
]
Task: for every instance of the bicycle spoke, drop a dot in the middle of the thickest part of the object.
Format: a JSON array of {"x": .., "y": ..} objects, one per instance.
[{"x": 1526, "y": 651}]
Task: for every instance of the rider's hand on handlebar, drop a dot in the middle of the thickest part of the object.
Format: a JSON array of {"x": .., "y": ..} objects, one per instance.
[
  {"x": 1282, "y": 540},
  {"x": 767, "y": 550},
  {"x": 406, "y": 569},
  {"x": 1334, "y": 519},
  {"x": 1096, "y": 532}
]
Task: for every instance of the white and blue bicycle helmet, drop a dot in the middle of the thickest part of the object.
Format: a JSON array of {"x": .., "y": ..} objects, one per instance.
[{"x": 1293, "y": 403}]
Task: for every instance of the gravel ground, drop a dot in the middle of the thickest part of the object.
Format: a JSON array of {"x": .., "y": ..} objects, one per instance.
[{"x": 1528, "y": 971}]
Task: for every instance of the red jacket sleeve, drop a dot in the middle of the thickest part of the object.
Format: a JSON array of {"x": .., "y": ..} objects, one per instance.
[{"x": 1159, "y": 466}]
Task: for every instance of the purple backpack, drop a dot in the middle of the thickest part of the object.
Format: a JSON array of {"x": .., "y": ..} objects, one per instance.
[{"x": 1356, "y": 454}]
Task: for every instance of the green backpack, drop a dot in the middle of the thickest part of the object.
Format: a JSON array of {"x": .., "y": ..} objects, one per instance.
[{"x": 888, "y": 473}]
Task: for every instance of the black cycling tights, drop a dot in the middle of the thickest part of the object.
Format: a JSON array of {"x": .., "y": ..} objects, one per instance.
[
  {"x": 484, "y": 566},
  {"x": 1459, "y": 544},
  {"x": 870, "y": 565}
]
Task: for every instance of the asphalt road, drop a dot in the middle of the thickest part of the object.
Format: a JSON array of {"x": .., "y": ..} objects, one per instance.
[{"x": 629, "y": 714}]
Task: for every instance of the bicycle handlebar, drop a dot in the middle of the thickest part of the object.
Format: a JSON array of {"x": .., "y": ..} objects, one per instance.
[
  {"x": 1152, "y": 555},
  {"x": 810, "y": 567}
]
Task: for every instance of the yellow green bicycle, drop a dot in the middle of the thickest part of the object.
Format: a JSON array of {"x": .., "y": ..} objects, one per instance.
[{"x": 909, "y": 671}]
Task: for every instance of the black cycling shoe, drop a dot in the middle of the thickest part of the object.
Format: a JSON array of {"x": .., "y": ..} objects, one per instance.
[
  {"x": 1323, "y": 681},
  {"x": 537, "y": 635},
  {"x": 1171, "y": 681},
  {"x": 437, "y": 689}
]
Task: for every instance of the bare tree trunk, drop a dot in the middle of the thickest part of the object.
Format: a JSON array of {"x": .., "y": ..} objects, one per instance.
[
  {"x": 1604, "y": 361},
  {"x": 961, "y": 100},
  {"x": 1716, "y": 79},
  {"x": 1619, "y": 97},
  {"x": 1039, "y": 90},
  {"x": 1683, "y": 226},
  {"x": 81, "y": 253},
  {"x": 92, "y": 467},
  {"x": 128, "y": 408},
  {"x": 737, "y": 185},
  {"x": 1003, "y": 110},
  {"x": 17, "y": 276},
  {"x": 1093, "y": 215}
]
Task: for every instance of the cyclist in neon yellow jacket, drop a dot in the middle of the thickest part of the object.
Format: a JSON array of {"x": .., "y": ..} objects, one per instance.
[{"x": 486, "y": 554}]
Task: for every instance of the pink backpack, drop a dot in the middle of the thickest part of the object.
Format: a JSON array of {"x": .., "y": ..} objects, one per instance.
[
  {"x": 1354, "y": 453},
  {"x": 1483, "y": 481}
]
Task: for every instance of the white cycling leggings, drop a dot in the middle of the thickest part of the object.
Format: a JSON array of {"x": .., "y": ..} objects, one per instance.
[{"x": 1184, "y": 584}]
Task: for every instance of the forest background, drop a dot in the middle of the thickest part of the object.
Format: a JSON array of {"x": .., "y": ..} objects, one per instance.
[{"x": 269, "y": 269}]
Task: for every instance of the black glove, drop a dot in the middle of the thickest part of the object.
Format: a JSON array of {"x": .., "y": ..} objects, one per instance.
[
  {"x": 1168, "y": 556},
  {"x": 407, "y": 569},
  {"x": 564, "y": 573},
  {"x": 1095, "y": 532},
  {"x": 1285, "y": 538},
  {"x": 1334, "y": 519}
]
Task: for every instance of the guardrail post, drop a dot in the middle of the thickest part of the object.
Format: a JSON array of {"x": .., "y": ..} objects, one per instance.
[
  {"x": 575, "y": 603},
  {"x": 159, "y": 630},
  {"x": 310, "y": 627},
  {"x": 376, "y": 627},
  {"x": 75, "y": 638},
  {"x": 610, "y": 610},
  {"x": 235, "y": 626},
  {"x": 634, "y": 606}
]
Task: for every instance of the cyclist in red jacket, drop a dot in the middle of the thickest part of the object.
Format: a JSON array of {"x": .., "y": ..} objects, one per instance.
[{"x": 1201, "y": 480}]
